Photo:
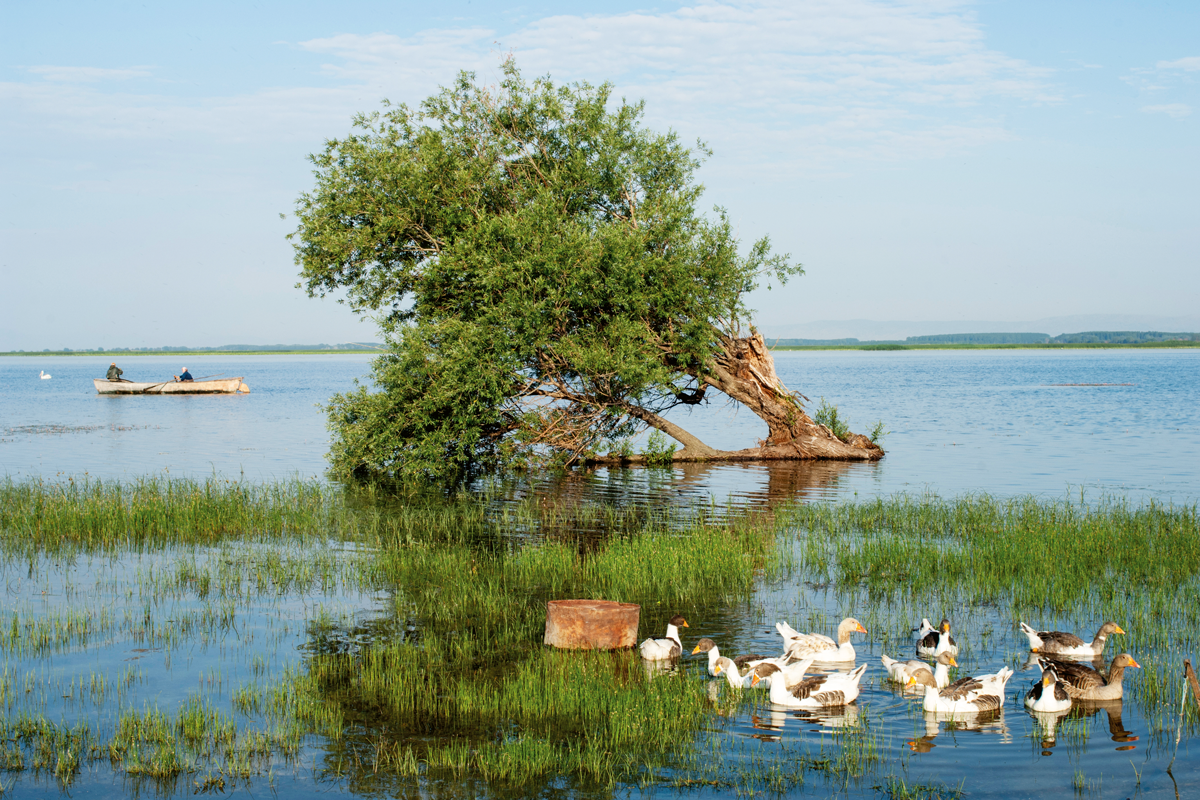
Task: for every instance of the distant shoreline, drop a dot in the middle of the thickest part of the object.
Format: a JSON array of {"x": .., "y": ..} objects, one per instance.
[
  {"x": 998, "y": 346},
  {"x": 188, "y": 353}
]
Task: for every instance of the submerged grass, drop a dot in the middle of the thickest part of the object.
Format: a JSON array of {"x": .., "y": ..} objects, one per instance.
[{"x": 448, "y": 681}]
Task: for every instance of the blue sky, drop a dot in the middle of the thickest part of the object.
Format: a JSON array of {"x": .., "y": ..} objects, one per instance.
[{"x": 923, "y": 160}]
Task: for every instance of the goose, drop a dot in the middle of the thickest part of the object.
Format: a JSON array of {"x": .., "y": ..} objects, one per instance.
[
  {"x": 967, "y": 695},
  {"x": 819, "y": 691},
  {"x": 1085, "y": 683},
  {"x": 936, "y": 640},
  {"x": 939, "y": 676},
  {"x": 1048, "y": 694},
  {"x": 824, "y": 650},
  {"x": 1068, "y": 644},
  {"x": 43, "y": 375},
  {"x": 793, "y": 673},
  {"x": 707, "y": 645},
  {"x": 669, "y": 646}
]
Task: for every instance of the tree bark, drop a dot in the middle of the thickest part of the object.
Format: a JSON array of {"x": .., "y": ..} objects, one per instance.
[{"x": 745, "y": 371}]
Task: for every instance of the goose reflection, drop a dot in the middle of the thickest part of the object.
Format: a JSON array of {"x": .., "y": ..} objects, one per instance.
[
  {"x": 773, "y": 722},
  {"x": 1046, "y": 727},
  {"x": 1112, "y": 711},
  {"x": 936, "y": 722}
]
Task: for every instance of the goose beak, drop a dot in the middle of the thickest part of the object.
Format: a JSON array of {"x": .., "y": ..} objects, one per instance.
[
  {"x": 717, "y": 669},
  {"x": 1133, "y": 663},
  {"x": 754, "y": 680},
  {"x": 696, "y": 650},
  {"x": 1047, "y": 677},
  {"x": 910, "y": 682},
  {"x": 860, "y": 628},
  {"x": 953, "y": 661},
  {"x": 1033, "y": 649},
  {"x": 684, "y": 624},
  {"x": 1118, "y": 629}
]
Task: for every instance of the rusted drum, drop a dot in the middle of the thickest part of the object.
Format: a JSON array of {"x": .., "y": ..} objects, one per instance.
[{"x": 591, "y": 624}]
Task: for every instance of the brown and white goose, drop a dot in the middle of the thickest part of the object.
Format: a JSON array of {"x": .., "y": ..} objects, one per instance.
[
  {"x": 707, "y": 645},
  {"x": 818, "y": 646},
  {"x": 938, "y": 677},
  {"x": 1048, "y": 694},
  {"x": 968, "y": 695},
  {"x": 763, "y": 674},
  {"x": 1085, "y": 683},
  {"x": 819, "y": 691},
  {"x": 1059, "y": 643},
  {"x": 669, "y": 646},
  {"x": 936, "y": 641}
]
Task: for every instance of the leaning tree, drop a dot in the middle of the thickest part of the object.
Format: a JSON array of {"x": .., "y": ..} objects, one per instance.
[{"x": 545, "y": 284}]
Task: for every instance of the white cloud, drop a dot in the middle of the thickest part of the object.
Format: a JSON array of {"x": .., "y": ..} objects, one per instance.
[
  {"x": 759, "y": 79},
  {"x": 88, "y": 74},
  {"x": 1189, "y": 64},
  {"x": 1176, "y": 110}
]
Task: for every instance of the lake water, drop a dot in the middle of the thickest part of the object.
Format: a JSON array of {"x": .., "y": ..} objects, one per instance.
[{"x": 1003, "y": 422}]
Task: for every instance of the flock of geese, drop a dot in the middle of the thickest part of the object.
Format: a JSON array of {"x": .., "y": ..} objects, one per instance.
[{"x": 1064, "y": 680}]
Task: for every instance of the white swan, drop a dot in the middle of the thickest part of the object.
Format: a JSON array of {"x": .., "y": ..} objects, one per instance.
[
  {"x": 668, "y": 647},
  {"x": 824, "y": 650},
  {"x": 43, "y": 375}
]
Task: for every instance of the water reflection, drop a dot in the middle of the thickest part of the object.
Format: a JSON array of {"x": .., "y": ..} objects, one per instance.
[
  {"x": 760, "y": 485},
  {"x": 938, "y": 722}
]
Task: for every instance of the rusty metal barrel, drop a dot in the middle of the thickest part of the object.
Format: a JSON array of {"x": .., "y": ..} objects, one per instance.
[{"x": 591, "y": 624}]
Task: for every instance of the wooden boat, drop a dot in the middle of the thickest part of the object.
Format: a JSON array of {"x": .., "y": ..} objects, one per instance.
[{"x": 219, "y": 386}]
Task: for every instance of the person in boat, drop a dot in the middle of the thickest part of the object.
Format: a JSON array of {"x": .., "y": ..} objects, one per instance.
[
  {"x": 184, "y": 376},
  {"x": 114, "y": 372}
]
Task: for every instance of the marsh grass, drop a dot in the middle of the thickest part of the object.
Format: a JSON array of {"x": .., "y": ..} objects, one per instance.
[{"x": 446, "y": 678}]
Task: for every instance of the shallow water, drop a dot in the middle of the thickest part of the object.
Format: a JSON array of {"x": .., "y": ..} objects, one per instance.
[{"x": 960, "y": 421}]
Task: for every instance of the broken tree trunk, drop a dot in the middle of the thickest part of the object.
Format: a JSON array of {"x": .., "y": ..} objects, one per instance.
[{"x": 745, "y": 370}]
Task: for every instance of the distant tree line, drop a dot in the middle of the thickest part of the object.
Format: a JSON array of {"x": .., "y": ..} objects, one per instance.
[{"x": 1086, "y": 337}]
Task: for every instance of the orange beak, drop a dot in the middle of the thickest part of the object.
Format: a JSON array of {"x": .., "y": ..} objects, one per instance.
[
  {"x": 696, "y": 650},
  {"x": 1134, "y": 664},
  {"x": 1119, "y": 630},
  {"x": 861, "y": 629}
]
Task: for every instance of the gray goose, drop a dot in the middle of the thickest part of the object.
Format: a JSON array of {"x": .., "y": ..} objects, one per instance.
[{"x": 1085, "y": 683}]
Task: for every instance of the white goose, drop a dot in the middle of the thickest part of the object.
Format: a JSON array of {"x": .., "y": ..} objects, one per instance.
[
  {"x": 707, "y": 645},
  {"x": 819, "y": 691},
  {"x": 669, "y": 646},
  {"x": 1048, "y": 694},
  {"x": 823, "y": 650},
  {"x": 43, "y": 375},
  {"x": 935, "y": 641},
  {"x": 967, "y": 695},
  {"x": 759, "y": 677},
  {"x": 938, "y": 677}
]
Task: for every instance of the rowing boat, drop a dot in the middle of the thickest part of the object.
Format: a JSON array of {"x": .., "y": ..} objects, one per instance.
[{"x": 219, "y": 386}]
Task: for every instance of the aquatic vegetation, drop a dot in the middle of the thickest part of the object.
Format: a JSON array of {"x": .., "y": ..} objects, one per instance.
[{"x": 387, "y": 640}]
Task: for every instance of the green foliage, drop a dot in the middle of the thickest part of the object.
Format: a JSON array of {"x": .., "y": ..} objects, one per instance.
[
  {"x": 878, "y": 432},
  {"x": 827, "y": 415},
  {"x": 659, "y": 450},
  {"x": 538, "y": 265}
]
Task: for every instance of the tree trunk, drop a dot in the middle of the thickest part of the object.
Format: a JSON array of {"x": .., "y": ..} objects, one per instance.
[{"x": 745, "y": 370}]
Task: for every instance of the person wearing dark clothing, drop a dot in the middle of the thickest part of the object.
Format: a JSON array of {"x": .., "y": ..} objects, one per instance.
[
  {"x": 114, "y": 372},
  {"x": 185, "y": 376}
]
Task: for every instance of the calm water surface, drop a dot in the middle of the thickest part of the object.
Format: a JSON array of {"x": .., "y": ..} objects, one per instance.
[{"x": 1003, "y": 422}]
